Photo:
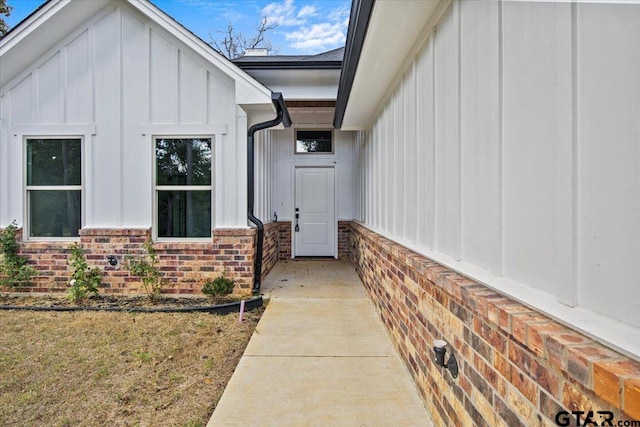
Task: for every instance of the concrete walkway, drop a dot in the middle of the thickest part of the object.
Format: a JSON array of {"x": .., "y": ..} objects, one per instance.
[{"x": 319, "y": 357}]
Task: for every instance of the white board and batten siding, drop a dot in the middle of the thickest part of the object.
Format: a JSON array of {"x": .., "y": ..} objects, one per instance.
[
  {"x": 275, "y": 182},
  {"x": 518, "y": 158},
  {"x": 117, "y": 81}
]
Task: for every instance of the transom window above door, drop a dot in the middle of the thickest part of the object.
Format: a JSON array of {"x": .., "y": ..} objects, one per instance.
[
  {"x": 314, "y": 142},
  {"x": 183, "y": 187}
]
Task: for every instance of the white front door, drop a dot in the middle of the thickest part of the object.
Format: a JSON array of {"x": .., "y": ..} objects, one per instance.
[{"x": 314, "y": 222}]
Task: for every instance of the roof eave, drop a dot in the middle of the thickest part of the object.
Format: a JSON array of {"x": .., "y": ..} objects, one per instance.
[
  {"x": 289, "y": 65},
  {"x": 358, "y": 24}
]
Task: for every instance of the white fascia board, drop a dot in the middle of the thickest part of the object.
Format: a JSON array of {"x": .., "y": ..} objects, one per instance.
[
  {"x": 395, "y": 28},
  {"x": 248, "y": 90}
]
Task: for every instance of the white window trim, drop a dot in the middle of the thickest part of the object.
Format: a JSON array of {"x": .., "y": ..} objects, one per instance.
[
  {"x": 203, "y": 188},
  {"x": 26, "y": 235}
]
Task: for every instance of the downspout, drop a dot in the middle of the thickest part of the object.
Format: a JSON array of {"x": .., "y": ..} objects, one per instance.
[{"x": 281, "y": 117}]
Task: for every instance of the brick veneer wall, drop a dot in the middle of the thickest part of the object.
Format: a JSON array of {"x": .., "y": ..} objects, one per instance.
[
  {"x": 186, "y": 265},
  {"x": 517, "y": 367},
  {"x": 344, "y": 239},
  {"x": 284, "y": 239},
  {"x": 270, "y": 252}
]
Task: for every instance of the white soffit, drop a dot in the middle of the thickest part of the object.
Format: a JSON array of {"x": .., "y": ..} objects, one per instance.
[
  {"x": 301, "y": 84},
  {"x": 393, "y": 30}
]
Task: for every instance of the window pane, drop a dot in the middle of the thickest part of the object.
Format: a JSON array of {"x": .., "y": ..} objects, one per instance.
[
  {"x": 54, "y": 213},
  {"x": 184, "y": 213},
  {"x": 54, "y": 162},
  {"x": 183, "y": 161},
  {"x": 313, "y": 141}
]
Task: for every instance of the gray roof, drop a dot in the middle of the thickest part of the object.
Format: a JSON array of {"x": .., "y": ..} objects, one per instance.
[{"x": 334, "y": 55}]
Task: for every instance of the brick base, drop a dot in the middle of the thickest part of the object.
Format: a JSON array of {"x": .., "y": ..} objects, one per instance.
[
  {"x": 270, "y": 251},
  {"x": 284, "y": 239},
  {"x": 186, "y": 265},
  {"x": 517, "y": 366},
  {"x": 344, "y": 239}
]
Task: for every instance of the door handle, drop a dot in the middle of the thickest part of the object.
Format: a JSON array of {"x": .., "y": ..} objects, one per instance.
[{"x": 297, "y": 227}]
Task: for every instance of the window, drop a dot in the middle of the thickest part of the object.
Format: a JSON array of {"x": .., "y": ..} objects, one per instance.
[
  {"x": 183, "y": 187},
  {"x": 54, "y": 187},
  {"x": 314, "y": 141}
]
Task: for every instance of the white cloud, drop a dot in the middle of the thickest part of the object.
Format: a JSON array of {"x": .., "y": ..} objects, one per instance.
[
  {"x": 283, "y": 14},
  {"x": 317, "y": 37},
  {"x": 325, "y": 34},
  {"x": 340, "y": 13},
  {"x": 307, "y": 11}
]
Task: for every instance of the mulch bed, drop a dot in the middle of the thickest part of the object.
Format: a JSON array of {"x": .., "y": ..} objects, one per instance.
[{"x": 110, "y": 301}]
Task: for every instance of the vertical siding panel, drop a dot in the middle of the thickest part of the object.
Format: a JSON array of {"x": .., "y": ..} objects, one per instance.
[
  {"x": 49, "y": 96},
  {"x": 5, "y": 138},
  {"x": 537, "y": 135},
  {"x": 367, "y": 182},
  {"x": 78, "y": 93},
  {"x": 219, "y": 95},
  {"x": 138, "y": 151},
  {"x": 361, "y": 137},
  {"x": 411, "y": 158},
  {"x": 425, "y": 145},
  {"x": 259, "y": 176},
  {"x": 609, "y": 159},
  {"x": 21, "y": 101},
  {"x": 344, "y": 170},
  {"x": 106, "y": 164},
  {"x": 376, "y": 175},
  {"x": 399, "y": 159},
  {"x": 372, "y": 177},
  {"x": 358, "y": 182},
  {"x": 263, "y": 176},
  {"x": 379, "y": 176},
  {"x": 480, "y": 134},
  {"x": 267, "y": 177},
  {"x": 363, "y": 140},
  {"x": 164, "y": 80},
  {"x": 447, "y": 238},
  {"x": 388, "y": 142},
  {"x": 192, "y": 91}
]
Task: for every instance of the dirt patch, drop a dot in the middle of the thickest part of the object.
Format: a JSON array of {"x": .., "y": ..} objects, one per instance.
[{"x": 104, "y": 368}]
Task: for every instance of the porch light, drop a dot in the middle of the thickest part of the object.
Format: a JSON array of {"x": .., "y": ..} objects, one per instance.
[{"x": 440, "y": 352}]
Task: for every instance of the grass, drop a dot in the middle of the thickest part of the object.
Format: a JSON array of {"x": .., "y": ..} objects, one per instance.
[{"x": 97, "y": 368}]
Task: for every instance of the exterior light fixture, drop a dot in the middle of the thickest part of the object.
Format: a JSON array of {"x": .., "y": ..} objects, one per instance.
[
  {"x": 113, "y": 261},
  {"x": 440, "y": 352}
]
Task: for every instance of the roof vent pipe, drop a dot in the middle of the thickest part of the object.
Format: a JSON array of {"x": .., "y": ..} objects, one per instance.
[{"x": 281, "y": 117}]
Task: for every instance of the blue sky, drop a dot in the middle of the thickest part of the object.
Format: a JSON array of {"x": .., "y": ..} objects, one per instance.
[{"x": 304, "y": 26}]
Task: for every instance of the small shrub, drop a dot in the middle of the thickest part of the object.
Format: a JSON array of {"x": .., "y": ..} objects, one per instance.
[
  {"x": 14, "y": 270},
  {"x": 146, "y": 268},
  {"x": 218, "y": 287},
  {"x": 84, "y": 281}
]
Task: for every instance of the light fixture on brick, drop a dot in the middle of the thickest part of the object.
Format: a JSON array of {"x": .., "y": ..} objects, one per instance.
[{"x": 440, "y": 352}]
